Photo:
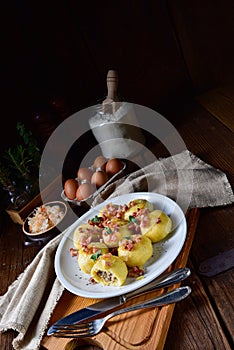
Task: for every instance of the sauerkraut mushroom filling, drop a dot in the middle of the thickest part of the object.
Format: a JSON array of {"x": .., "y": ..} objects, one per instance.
[{"x": 106, "y": 276}]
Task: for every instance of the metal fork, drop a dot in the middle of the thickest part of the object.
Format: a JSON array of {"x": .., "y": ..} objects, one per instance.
[{"x": 90, "y": 328}]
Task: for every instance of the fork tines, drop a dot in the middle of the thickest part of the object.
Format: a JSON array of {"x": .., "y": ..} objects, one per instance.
[{"x": 73, "y": 331}]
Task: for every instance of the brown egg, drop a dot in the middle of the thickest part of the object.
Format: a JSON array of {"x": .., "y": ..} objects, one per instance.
[
  {"x": 99, "y": 178},
  {"x": 100, "y": 162},
  {"x": 70, "y": 188},
  {"x": 84, "y": 174},
  {"x": 84, "y": 191},
  {"x": 113, "y": 166}
]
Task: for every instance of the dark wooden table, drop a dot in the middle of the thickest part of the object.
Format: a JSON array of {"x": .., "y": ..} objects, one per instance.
[{"x": 205, "y": 320}]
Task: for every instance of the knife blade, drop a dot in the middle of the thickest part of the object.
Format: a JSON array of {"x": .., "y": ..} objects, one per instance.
[{"x": 100, "y": 307}]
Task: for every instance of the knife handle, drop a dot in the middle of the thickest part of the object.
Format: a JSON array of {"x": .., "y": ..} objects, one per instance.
[{"x": 165, "y": 280}]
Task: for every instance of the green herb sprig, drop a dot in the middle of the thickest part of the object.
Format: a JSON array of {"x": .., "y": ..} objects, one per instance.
[
  {"x": 96, "y": 255},
  {"x": 24, "y": 158}
]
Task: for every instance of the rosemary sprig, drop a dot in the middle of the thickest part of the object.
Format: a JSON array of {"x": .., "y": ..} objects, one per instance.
[
  {"x": 24, "y": 158},
  {"x": 18, "y": 159}
]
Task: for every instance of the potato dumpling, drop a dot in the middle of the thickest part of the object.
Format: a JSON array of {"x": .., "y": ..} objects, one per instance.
[
  {"x": 135, "y": 250},
  {"x": 136, "y": 205},
  {"x": 85, "y": 234},
  {"x": 88, "y": 255},
  {"x": 114, "y": 231},
  {"x": 109, "y": 270},
  {"x": 156, "y": 226}
]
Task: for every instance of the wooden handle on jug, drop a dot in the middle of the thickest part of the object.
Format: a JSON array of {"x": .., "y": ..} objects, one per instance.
[{"x": 112, "y": 84}]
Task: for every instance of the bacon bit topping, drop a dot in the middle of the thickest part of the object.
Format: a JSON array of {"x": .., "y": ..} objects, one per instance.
[
  {"x": 83, "y": 246},
  {"x": 128, "y": 243},
  {"x": 85, "y": 240},
  {"x": 158, "y": 220},
  {"x": 92, "y": 280},
  {"x": 85, "y": 249},
  {"x": 111, "y": 237},
  {"x": 97, "y": 221},
  {"x": 104, "y": 217},
  {"x": 113, "y": 210},
  {"x": 125, "y": 208},
  {"x": 134, "y": 225},
  {"x": 74, "y": 252},
  {"x": 90, "y": 250},
  {"x": 143, "y": 211},
  {"x": 107, "y": 256},
  {"x": 114, "y": 251},
  {"x": 143, "y": 217},
  {"x": 135, "y": 271},
  {"x": 95, "y": 249}
]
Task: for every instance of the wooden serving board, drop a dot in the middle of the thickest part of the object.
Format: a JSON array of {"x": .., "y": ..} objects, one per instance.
[{"x": 144, "y": 329}]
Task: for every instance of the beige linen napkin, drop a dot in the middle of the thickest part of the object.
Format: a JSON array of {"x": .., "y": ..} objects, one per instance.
[
  {"x": 183, "y": 177},
  {"x": 30, "y": 300}
]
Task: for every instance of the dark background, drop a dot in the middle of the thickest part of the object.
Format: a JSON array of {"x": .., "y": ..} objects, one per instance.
[{"x": 55, "y": 56}]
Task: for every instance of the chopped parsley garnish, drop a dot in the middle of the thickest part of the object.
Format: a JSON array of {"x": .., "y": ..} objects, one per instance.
[
  {"x": 108, "y": 230},
  {"x": 127, "y": 237},
  {"x": 96, "y": 255},
  {"x": 132, "y": 219},
  {"x": 95, "y": 219}
]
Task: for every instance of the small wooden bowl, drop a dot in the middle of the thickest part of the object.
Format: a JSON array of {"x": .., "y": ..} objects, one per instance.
[{"x": 53, "y": 230}]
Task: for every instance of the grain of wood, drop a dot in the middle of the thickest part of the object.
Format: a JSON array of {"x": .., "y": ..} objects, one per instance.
[
  {"x": 197, "y": 336},
  {"x": 220, "y": 103},
  {"x": 221, "y": 288},
  {"x": 120, "y": 333}
]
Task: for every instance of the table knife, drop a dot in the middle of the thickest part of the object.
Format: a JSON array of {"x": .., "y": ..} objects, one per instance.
[{"x": 100, "y": 307}]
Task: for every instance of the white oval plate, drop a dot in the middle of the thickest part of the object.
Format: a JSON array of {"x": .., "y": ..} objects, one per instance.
[{"x": 164, "y": 252}]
